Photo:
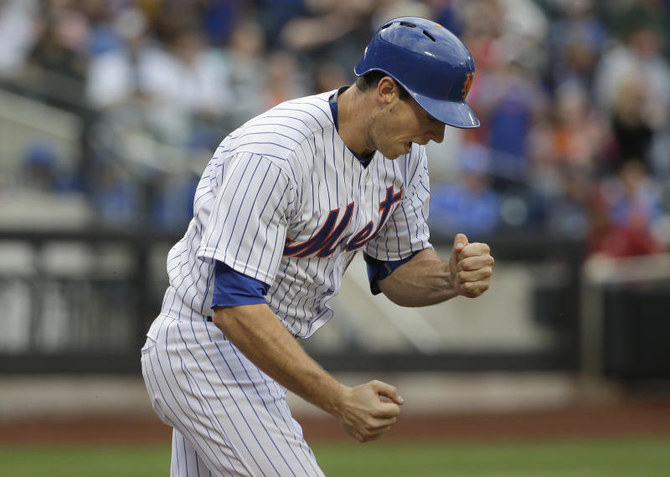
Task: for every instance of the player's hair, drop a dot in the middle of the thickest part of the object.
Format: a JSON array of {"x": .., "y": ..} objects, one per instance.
[{"x": 371, "y": 80}]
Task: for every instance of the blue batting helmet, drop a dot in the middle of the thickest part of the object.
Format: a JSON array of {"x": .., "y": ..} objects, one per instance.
[{"x": 430, "y": 62}]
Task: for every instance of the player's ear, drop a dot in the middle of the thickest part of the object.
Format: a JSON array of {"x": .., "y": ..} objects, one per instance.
[{"x": 387, "y": 89}]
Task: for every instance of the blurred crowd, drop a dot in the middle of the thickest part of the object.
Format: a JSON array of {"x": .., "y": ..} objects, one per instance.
[{"x": 573, "y": 96}]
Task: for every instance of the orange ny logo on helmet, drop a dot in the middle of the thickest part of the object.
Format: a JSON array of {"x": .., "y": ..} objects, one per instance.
[{"x": 467, "y": 84}]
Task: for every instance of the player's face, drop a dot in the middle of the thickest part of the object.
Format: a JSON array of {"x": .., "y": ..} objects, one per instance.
[{"x": 402, "y": 123}]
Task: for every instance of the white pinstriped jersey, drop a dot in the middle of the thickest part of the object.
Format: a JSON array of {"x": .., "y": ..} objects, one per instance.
[{"x": 283, "y": 200}]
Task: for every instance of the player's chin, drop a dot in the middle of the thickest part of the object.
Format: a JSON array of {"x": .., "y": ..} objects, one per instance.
[{"x": 402, "y": 150}]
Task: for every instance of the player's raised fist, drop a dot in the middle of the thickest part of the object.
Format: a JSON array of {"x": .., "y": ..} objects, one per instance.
[{"x": 470, "y": 267}]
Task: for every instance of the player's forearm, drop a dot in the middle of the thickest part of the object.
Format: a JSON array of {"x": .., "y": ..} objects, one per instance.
[
  {"x": 257, "y": 332},
  {"x": 422, "y": 281}
]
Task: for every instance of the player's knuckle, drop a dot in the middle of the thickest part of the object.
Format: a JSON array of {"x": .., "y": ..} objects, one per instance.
[{"x": 470, "y": 288}]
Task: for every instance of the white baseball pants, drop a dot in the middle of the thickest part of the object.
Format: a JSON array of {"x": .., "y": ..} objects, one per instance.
[{"x": 229, "y": 418}]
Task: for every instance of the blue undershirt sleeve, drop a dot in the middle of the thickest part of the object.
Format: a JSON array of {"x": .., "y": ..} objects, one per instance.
[
  {"x": 232, "y": 288},
  {"x": 378, "y": 270}
]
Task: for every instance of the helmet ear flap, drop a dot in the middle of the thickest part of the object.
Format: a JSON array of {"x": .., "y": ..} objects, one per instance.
[{"x": 429, "y": 62}]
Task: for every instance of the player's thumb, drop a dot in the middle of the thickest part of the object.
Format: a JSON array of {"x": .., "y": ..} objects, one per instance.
[
  {"x": 386, "y": 392},
  {"x": 460, "y": 242}
]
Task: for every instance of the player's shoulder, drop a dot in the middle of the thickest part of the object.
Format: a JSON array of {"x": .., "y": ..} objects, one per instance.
[
  {"x": 310, "y": 112},
  {"x": 282, "y": 129}
]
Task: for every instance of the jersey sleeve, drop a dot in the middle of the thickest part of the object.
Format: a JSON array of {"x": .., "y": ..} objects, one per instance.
[
  {"x": 247, "y": 225},
  {"x": 406, "y": 231},
  {"x": 232, "y": 288},
  {"x": 378, "y": 270}
]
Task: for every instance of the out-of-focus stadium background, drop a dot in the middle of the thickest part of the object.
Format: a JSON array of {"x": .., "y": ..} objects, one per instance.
[{"x": 109, "y": 111}]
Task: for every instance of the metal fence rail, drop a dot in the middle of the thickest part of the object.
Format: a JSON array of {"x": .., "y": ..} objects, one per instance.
[{"x": 73, "y": 301}]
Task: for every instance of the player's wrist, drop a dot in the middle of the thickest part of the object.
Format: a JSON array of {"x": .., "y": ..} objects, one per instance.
[{"x": 336, "y": 398}]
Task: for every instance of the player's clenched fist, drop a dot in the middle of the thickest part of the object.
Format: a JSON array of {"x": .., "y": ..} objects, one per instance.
[
  {"x": 367, "y": 411},
  {"x": 470, "y": 267}
]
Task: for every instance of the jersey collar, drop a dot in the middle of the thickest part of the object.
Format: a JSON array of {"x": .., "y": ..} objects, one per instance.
[{"x": 364, "y": 160}]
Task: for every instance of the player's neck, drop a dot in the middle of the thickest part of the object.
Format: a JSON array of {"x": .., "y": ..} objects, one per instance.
[{"x": 354, "y": 109}]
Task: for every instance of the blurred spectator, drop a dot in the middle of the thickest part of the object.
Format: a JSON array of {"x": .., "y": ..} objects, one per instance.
[
  {"x": 115, "y": 193},
  {"x": 62, "y": 41},
  {"x": 626, "y": 16},
  {"x": 246, "y": 62},
  {"x": 60, "y": 51},
  {"x": 580, "y": 132},
  {"x": 444, "y": 158},
  {"x": 499, "y": 30},
  {"x": 564, "y": 150},
  {"x": 180, "y": 88},
  {"x": 639, "y": 59},
  {"x": 218, "y": 18},
  {"x": 448, "y": 13},
  {"x": 610, "y": 239},
  {"x": 576, "y": 41},
  {"x": 644, "y": 28},
  {"x": 623, "y": 213},
  {"x": 565, "y": 105},
  {"x": 567, "y": 216},
  {"x": 330, "y": 30},
  {"x": 103, "y": 35},
  {"x": 43, "y": 169},
  {"x": 632, "y": 128},
  {"x": 382, "y": 11},
  {"x": 17, "y": 34},
  {"x": 172, "y": 204},
  {"x": 506, "y": 93},
  {"x": 524, "y": 33},
  {"x": 508, "y": 101},
  {"x": 121, "y": 76},
  {"x": 190, "y": 76},
  {"x": 467, "y": 204},
  {"x": 329, "y": 75},
  {"x": 633, "y": 197},
  {"x": 283, "y": 79},
  {"x": 273, "y": 15},
  {"x": 483, "y": 19}
]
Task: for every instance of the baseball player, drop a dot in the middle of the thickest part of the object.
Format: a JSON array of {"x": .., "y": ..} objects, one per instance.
[{"x": 283, "y": 206}]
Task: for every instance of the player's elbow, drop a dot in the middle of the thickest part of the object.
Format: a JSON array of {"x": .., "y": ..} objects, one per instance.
[
  {"x": 226, "y": 319},
  {"x": 395, "y": 293},
  {"x": 237, "y": 322},
  {"x": 407, "y": 301}
]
